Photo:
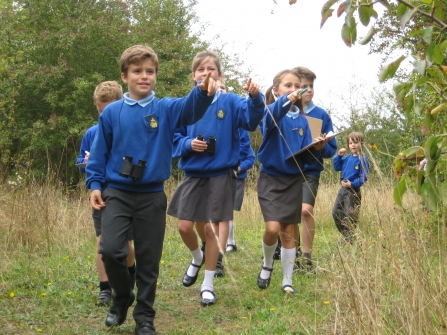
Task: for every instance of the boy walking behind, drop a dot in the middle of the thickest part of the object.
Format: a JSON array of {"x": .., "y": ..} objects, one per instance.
[{"x": 129, "y": 162}]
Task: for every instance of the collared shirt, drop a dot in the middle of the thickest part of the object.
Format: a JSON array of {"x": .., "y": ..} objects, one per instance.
[
  {"x": 295, "y": 113},
  {"x": 309, "y": 107},
  {"x": 216, "y": 96},
  {"x": 143, "y": 102}
]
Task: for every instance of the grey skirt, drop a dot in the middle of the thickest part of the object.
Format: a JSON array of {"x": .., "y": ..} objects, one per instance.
[
  {"x": 280, "y": 197},
  {"x": 239, "y": 194},
  {"x": 203, "y": 199}
]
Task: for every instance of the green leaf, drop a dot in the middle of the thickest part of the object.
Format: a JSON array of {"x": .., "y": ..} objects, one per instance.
[
  {"x": 401, "y": 9},
  {"x": 427, "y": 1},
  {"x": 384, "y": 3},
  {"x": 416, "y": 151},
  {"x": 439, "y": 10},
  {"x": 388, "y": 71},
  {"x": 443, "y": 192},
  {"x": 327, "y": 5},
  {"x": 438, "y": 55},
  {"x": 407, "y": 16},
  {"x": 432, "y": 149},
  {"x": 325, "y": 16},
  {"x": 419, "y": 180},
  {"x": 427, "y": 34},
  {"x": 349, "y": 32},
  {"x": 430, "y": 193},
  {"x": 436, "y": 74},
  {"x": 364, "y": 15},
  {"x": 408, "y": 104},
  {"x": 368, "y": 36},
  {"x": 399, "y": 191},
  {"x": 420, "y": 66}
]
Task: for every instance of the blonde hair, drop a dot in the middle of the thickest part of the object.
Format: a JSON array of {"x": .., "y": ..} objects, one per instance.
[
  {"x": 356, "y": 137},
  {"x": 107, "y": 91},
  {"x": 135, "y": 54},
  {"x": 201, "y": 56},
  {"x": 303, "y": 72}
]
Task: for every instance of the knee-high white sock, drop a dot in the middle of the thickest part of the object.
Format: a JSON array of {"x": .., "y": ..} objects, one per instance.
[
  {"x": 269, "y": 250},
  {"x": 231, "y": 234},
  {"x": 208, "y": 284},
  {"x": 197, "y": 257},
  {"x": 287, "y": 260}
]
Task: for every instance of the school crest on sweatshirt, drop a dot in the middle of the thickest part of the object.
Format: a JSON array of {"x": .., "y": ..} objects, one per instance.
[
  {"x": 153, "y": 123},
  {"x": 301, "y": 132},
  {"x": 220, "y": 114}
]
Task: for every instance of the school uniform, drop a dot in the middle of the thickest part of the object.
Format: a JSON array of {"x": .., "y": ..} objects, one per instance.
[
  {"x": 347, "y": 204},
  {"x": 144, "y": 131},
  {"x": 204, "y": 195},
  {"x": 280, "y": 179}
]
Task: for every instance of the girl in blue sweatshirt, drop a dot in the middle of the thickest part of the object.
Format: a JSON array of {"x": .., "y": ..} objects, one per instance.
[
  {"x": 285, "y": 131},
  {"x": 208, "y": 150},
  {"x": 354, "y": 172}
]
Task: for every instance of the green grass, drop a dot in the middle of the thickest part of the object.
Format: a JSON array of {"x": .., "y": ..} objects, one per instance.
[{"x": 390, "y": 282}]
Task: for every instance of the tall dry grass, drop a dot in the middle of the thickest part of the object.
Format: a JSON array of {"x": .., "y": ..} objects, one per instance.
[{"x": 391, "y": 281}]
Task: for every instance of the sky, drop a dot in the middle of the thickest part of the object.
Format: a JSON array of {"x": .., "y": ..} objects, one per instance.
[{"x": 271, "y": 37}]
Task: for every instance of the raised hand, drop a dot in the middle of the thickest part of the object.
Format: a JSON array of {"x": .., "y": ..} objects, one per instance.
[
  {"x": 208, "y": 84},
  {"x": 252, "y": 88},
  {"x": 294, "y": 96},
  {"x": 342, "y": 151}
]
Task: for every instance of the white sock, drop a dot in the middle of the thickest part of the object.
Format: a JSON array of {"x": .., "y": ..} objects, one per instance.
[
  {"x": 231, "y": 234},
  {"x": 208, "y": 284},
  {"x": 287, "y": 260},
  {"x": 269, "y": 250},
  {"x": 197, "y": 257}
]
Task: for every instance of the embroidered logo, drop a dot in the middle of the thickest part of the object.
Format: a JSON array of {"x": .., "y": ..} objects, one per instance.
[
  {"x": 301, "y": 132},
  {"x": 356, "y": 167},
  {"x": 153, "y": 123},
  {"x": 220, "y": 114}
]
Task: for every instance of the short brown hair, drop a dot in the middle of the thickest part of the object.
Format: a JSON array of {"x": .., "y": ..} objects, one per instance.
[
  {"x": 201, "y": 56},
  {"x": 304, "y": 73},
  {"x": 107, "y": 91},
  {"x": 135, "y": 54},
  {"x": 356, "y": 137}
]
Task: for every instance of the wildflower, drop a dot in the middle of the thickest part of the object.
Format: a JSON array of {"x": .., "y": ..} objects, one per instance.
[
  {"x": 90, "y": 287},
  {"x": 12, "y": 294},
  {"x": 237, "y": 326},
  {"x": 162, "y": 252},
  {"x": 49, "y": 284},
  {"x": 245, "y": 277},
  {"x": 162, "y": 261},
  {"x": 69, "y": 293},
  {"x": 374, "y": 146},
  {"x": 244, "y": 317},
  {"x": 326, "y": 302},
  {"x": 158, "y": 283},
  {"x": 272, "y": 309},
  {"x": 318, "y": 249},
  {"x": 38, "y": 330},
  {"x": 43, "y": 294},
  {"x": 182, "y": 259}
]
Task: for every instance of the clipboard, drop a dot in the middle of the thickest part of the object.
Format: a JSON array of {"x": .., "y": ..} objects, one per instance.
[
  {"x": 315, "y": 126},
  {"x": 81, "y": 165},
  {"x": 329, "y": 136}
]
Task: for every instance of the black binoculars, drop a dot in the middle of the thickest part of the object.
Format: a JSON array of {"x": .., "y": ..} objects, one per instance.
[
  {"x": 211, "y": 143},
  {"x": 135, "y": 171}
]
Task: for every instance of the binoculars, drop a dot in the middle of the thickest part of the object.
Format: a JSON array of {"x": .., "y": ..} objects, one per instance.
[
  {"x": 211, "y": 143},
  {"x": 135, "y": 171}
]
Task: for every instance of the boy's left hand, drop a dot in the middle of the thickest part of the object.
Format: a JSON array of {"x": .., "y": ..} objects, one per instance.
[
  {"x": 346, "y": 183},
  {"x": 208, "y": 84},
  {"x": 322, "y": 140},
  {"x": 252, "y": 88}
]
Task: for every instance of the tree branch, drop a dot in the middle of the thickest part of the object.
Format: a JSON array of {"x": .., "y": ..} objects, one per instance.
[
  {"x": 437, "y": 90},
  {"x": 442, "y": 24}
]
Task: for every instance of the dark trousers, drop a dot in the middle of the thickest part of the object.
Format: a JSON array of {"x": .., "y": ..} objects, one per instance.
[
  {"x": 346, "y": 210},
  {"x": 146, "y": 214}
]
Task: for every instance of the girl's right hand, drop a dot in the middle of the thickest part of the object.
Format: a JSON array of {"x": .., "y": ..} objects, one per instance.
[
  {"x": 208, "y": 84},
  {"x": 294, "y": 96},
  {"x": 342, "y": 151},
  {"x": 198, "y": 145}
]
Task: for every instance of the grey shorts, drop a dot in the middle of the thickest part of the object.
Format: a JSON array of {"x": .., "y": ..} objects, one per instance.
[
  {"x": 239, "y": 194},
  {"x": 203, "y": 199},
  {"x": 310, "y": 189},
  {"x": 96, "y": 215},
  {"x": 280, "y": 198}
]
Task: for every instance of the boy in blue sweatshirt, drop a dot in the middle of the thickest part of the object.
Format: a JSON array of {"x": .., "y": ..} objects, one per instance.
[
  {"x": 128, "y": 164},
  {"x": 354, "y": 172},
  {"x": 105, "y": 93},
  {"x": 313, "y": 170}
]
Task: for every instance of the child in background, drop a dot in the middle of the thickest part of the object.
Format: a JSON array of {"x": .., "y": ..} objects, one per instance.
[
  {"x": 285, "y": 131},
  {"x": 208, "y": 150},
  {"x": 126, "y": 170},
  {"x": 313, "y": 170},
  {"x": 105, "y": 93},
  {"x": 354, "y": 172}
]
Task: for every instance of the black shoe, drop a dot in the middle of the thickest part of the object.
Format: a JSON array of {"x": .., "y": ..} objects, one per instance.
[
  {"x": 219, "y": 270},
  {"x": 264, "y": 283},
  {"x": 189, "y": 281},
  {"x": 306, "y": 263},
  {"x": 231, "y": 248},
  {"x": 145, "y": 328},
  {"x": 117, "y": 314},
  {"x": 104, "y": 298},
  {"x": 208, "y": 302},
  {"x": 288, "y": 290}
]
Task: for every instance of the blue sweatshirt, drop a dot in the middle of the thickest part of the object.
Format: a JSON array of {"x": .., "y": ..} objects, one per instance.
[
  {"x": 329, "y": 149},
  {"x": 274, "y": 148},
  {"x": 86, "y": 144},
  {"x": 353, "y": 168},
  {"x": 227, "y": 113},
  {"x": 246, "y": 155},
  {"x": 144, "y": 132}
]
